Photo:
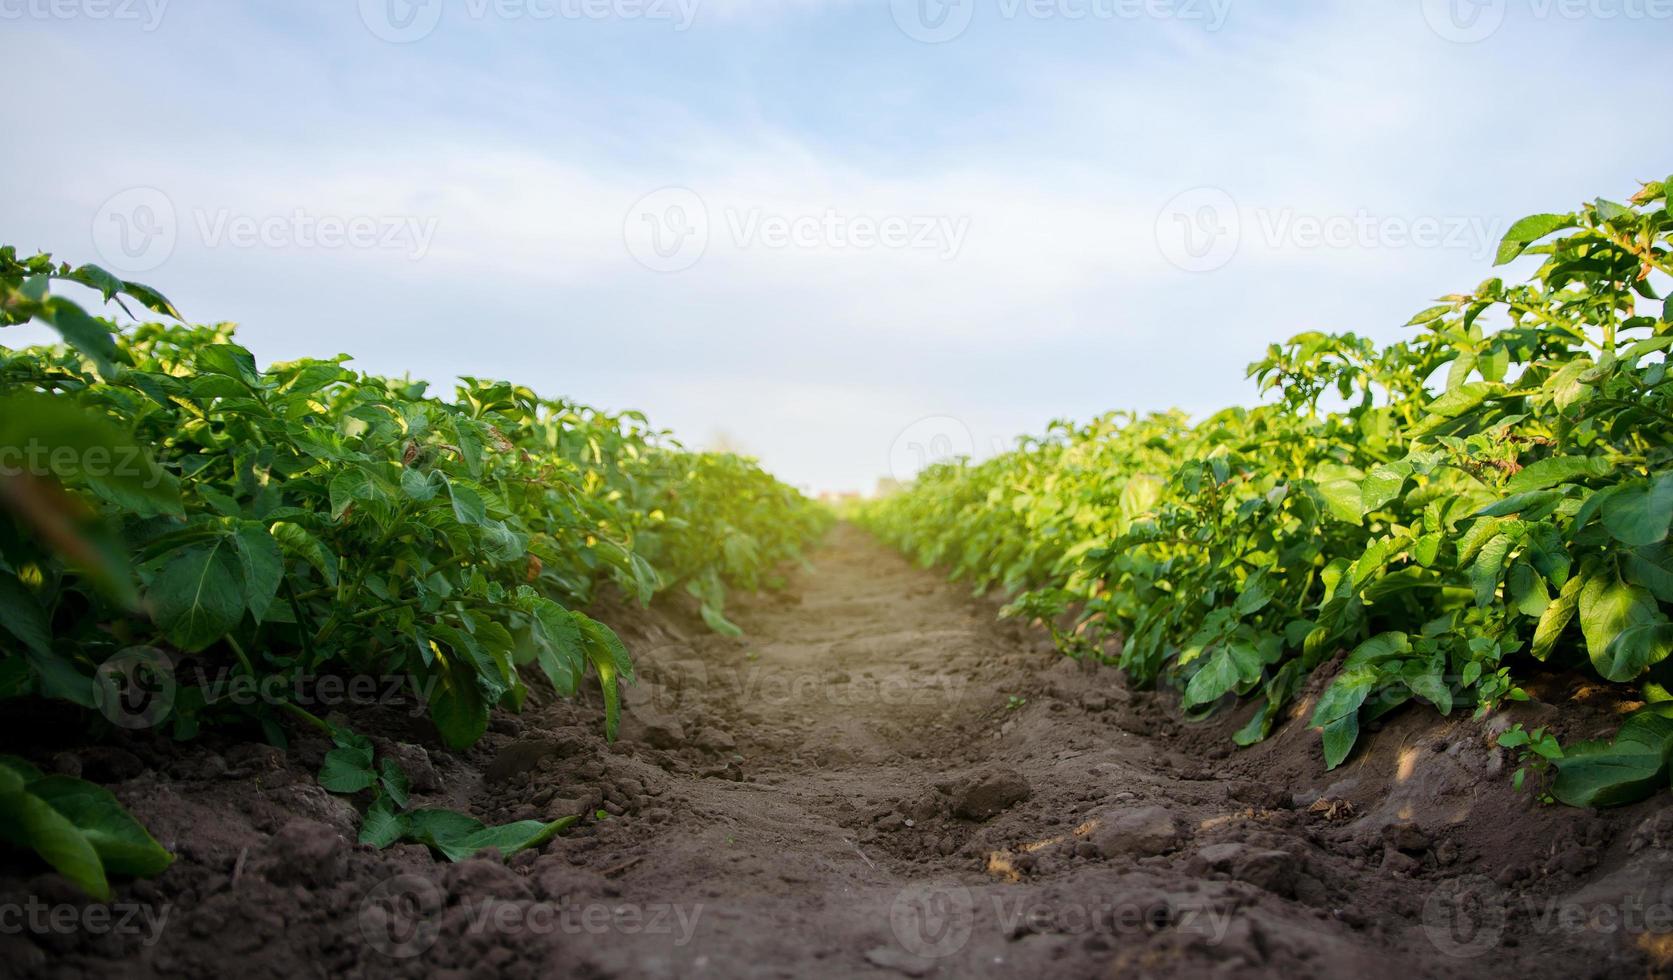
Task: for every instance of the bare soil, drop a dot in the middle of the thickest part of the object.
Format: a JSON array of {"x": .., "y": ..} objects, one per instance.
[{"x": 880, "y": 779}]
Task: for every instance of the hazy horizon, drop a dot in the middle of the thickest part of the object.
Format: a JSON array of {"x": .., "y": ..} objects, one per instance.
[{"x": 781, "y": 225}]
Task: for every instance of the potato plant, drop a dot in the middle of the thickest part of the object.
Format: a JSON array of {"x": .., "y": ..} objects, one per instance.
[
  {"x": 163, "y": 497},
  {"x": 1432, "y": 519}
]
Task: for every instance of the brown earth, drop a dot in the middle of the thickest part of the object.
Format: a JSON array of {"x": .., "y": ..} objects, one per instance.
[{"x": 878, "y": 780}]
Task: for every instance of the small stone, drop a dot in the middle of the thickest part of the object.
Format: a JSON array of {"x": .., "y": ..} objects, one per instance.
[
  {"x": 1143, "y": 832},
  {"x": 991, "y": 794}
]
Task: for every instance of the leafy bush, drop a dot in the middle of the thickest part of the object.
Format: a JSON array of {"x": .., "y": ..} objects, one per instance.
[
  {"x": 1448, "y": 509},
  {"x": 164, "y": 497},
  {"x": 306, "y": 518}
]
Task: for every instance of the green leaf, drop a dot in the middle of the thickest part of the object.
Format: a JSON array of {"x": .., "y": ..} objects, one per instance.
[
  {"x": 459, "y": 837},
  {"x": 1216, "y": 678},
  {"x": 611, "y": 662},
  {"x": 198, "y": 597},
  {"x": 1255, "y": 596},
  {"x": 1383, "y": 485},
  {"x": 468, "y": 507},
  {"x": 1430, "y": 315},
  {"x": 1556, "y": 618},
  {"x": 1345, "y": 694},
  {"x": 392, "y": 779},
  {"x": 1339, "y": 738},
  {"x": 1488, "y": 566},
  {"x": 1557, "y": 469},
  {"x": 1461, "y": 399},
  {"x": 347, "y": 771},
  {"x": 351, "y": 486},
  {"x": 263, "y": 565},
  {"x": 1629, "y": 769},
  {"x": 1640, "y": 513},
  {"x": 560, "y": 651},
  {"x": 229, "y": 360},
  {"x": 1345, "y": 499},
  {"x": 87, "y": 334},
  {"x": 1529, "y": 230},
  {"x": 717, "y": 621},
  {"x": 458, "y": 707},
  {"x": 123, "y": 846},
  {"x": 299, "y": 543},
  {"x": 382, "y": 826},
  {"x": 1626, "y": 632},
  {"x": 1430, "y": 684},
  {"x": 28, "y": 821}
]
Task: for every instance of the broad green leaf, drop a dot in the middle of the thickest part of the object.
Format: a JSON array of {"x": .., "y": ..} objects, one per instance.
[
  {"x": 347, "y": 771},
  {"x": 468, "y": 507},
  {"x": 1256, "y": 595},
  {"x": 383, "y": 826},
  {"x": 1529, "y": 230},
  {"x": 1383, "y": 485},
  {"x": 28, "y": 821},
  {"x": 1625, "y": 629},
  {"x": 1626, "y": 770},
  {"x": 123, "y": 846},
  {"x": 1556, "y": 618},
  {"x": 263, "y": 565},
  {"x": 299, "y": 543},
  {"x": 1339, "y": 738},
  {"x": 1557, "y": 469},
  {"x": 1640, "y": 513},
  {"x": 1345, "y": 694},
  {"x": 458, "y": 707},
  {"x": 612, "y": 664},
  {"x": 198, "y": 597}
]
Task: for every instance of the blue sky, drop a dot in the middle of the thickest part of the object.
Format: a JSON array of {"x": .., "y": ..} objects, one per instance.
[{"x": 873, "y": 249}]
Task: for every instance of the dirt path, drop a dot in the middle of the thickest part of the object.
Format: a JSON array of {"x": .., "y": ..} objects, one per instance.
[{"x": 880, "y": 779}]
